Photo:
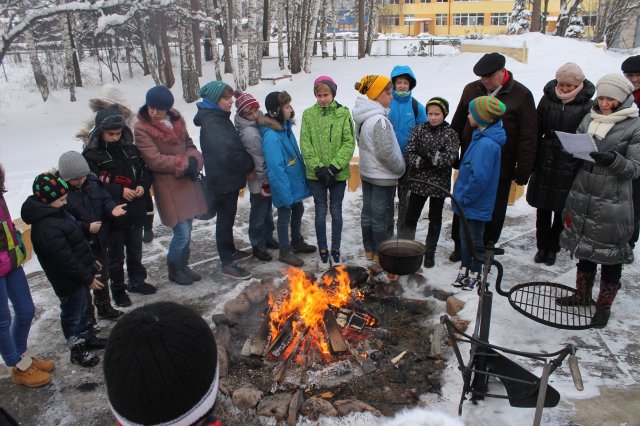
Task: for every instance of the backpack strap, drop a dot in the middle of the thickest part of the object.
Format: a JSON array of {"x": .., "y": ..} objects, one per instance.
[{"x": 414, "y": 105}]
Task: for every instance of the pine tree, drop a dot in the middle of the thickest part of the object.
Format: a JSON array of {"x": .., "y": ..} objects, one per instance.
[{"x": 520, "y": 19}]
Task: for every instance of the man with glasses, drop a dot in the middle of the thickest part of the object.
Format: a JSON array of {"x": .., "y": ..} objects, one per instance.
[
  {"x": 631, "y": 69},
  {"x": 520, "y": 124}
]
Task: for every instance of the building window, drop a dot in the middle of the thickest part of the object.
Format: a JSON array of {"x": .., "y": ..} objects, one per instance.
[
  {"x": 499, "y": 19},
  {"x": 394, "y": 2},
  {"x": 425, "y": 1},
  {"x": 468, "y": 19},
  {"x": 442, "y": 1},
  {"x": 590, "y": 19},
  {"x": 408, "y": 1},
  {"x": 441, "y": 19},
  {"x": 409, "y": 19},
  {"x": 390, "y": 20}
]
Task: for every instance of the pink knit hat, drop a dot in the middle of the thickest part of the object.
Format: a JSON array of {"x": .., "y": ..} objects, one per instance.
[
  {"x": 245, "y": 103},
  {"x": 570, "y": 73},
  {"x": 328, "y": 81}
]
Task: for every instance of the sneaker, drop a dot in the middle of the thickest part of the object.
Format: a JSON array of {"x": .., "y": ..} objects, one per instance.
[
  {"x": 550, "y": 259},
  {"x": 240, "y": 255},
  {"x": 272, "y": 244},
  {"x": 82, "y": 356},
  {"x": 335, "y": 255},
  {"x": 261, "y": 253},
  {"x": 455, "y": 256},
  {"x": 121, "y": 298},
  {"x": 235, "y": 272},
  {"x": 460, "y": 280},
  {"x": 142, "y": 288},
  {"x": 324, "y": 255},
  {"x": 540, "y": 256},
  {"x": 96, "y": 343},
  {"x": 32, "y": 377},
  {"x": 43, "y": 365},
  {"x": 470, "y": 283},
  {"x": 300, "y": 246},
  {"x": 287, "y": 256},
  {"x": 108, "y": 312},
  {"x": 147, "y": 235}
]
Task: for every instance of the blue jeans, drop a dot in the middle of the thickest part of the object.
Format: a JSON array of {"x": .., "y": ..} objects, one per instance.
[
  {"x": 13, "y": 335},
  {"x": 336, "y": 195},
  {"x": 375, "y": 200},
  {"x": 476, "y": 228},
  {"x": 260, "y": 220},
  {"x": 180, "y": 241},
  {"x": 72, "y": 319},
  {"x": 288, "y": 216}
]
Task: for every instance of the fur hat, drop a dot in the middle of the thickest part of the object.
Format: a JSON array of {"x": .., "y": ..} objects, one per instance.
[
  {"x": 570, "y": 73},
  {"x": 486, "y": 109},
  {"x": 614, "y": 86},
  {"x": 159, "y": 97},
  {"x": 274, "y": 102},
  {"x": 213, "y": 90},
  {"x": 328, "y": 81},
  {"x": 439, "y": 102},
  {"x": 372, "y": 85},
  {"x": 72, "y": 165},
  {"x": 631, "y": 64},
  {"x": 47, "y": 187},
  {"x": 109, "y": 119},
  {"x": 488, "y": 64},
  {"x": 161, "y": 366},
  {"x": 245, "y": 103}
]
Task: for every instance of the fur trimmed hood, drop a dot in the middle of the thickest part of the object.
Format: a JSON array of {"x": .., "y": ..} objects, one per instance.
[
  {"x": 110, "y": 97},
  {"x": 269, "y": 122},
  {"x": 105, "y": 120}
]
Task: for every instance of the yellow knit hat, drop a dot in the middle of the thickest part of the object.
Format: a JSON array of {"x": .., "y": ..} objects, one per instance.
[{"x": 372, "y": 85}]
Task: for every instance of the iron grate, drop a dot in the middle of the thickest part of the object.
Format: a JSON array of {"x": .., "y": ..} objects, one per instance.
[{"x": 537, "y": 300}]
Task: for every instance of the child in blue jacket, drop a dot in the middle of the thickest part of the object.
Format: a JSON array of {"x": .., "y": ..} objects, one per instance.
[{"x": 477, "y": 183}]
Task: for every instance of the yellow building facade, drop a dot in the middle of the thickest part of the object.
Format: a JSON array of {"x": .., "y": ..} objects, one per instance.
[{"x": 459, "y": 17}]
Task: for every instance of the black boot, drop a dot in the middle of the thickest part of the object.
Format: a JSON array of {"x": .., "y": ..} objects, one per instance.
[
  {"x": 81, "y": 355},
  {"x": 433, "y": 235},
  {"x": 106, "y": 311},
  {"x": 582, "y": 296},
  {"x": 185, "y": 261},
  {"x": 178, "y": 273},
  {"x": 608, "y": 292}
]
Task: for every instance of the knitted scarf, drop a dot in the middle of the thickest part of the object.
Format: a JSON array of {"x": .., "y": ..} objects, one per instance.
[
  {"x": 565, "y": 98},
  {"x": 601, "y": 124}
]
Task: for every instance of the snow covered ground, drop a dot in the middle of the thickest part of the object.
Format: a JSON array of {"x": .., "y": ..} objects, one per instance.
[{"x": 34, "y": 134}]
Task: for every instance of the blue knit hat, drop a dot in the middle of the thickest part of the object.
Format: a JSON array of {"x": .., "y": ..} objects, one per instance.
[
  {"x": 159, "y": 97},
  {"x": 213, "y": 90}
]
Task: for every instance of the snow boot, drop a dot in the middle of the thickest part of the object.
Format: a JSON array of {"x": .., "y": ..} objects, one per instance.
[
  {"x": 186, "y": 254},
  {"x": 30, "y": 377},
  {"x": 582, "y": 296},
  {"x": 178, "y": 273},
  {"x": 287, "y": 256},
  {"x": 608, "y": 292},
  {"x": 300, "y": 246},
  {"x": 81, "y": 355},
  {"x": 108, "y": 312},
  {"x": 433, "y": 235}
]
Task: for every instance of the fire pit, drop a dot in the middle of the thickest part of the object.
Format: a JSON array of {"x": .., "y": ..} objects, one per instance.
[{"x": 340, "y": 338}]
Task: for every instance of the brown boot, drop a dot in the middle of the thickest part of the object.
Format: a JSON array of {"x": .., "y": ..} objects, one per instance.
[
  {"x": 43, "y": 365},
  {"x": 582, "y": 296},
  {"x": 606, "y": 297},
  {"x": 31, "y": 377}
]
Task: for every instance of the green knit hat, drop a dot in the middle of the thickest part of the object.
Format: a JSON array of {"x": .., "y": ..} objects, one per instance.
[
  {"x": 486, "y": 109},
  {"x": 213, "y": 90}
]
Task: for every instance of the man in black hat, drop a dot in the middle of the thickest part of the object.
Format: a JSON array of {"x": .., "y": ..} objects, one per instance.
[
  {"x": 631, "y": 69},
  {"x": 520, "y": 124}
]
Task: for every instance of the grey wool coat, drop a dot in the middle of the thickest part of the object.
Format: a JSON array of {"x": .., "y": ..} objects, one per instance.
[{"x": 598, "y": 215}]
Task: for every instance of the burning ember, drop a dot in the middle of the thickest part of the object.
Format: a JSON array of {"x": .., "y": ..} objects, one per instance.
[{"x": 309, "y": 314}]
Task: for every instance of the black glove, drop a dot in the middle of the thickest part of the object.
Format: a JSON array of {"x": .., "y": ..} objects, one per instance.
[
  {"x": 522, "y": 181},
  {"x": 424, "y": 152},
  {"x": 603, "y": 159},
  {"x": 324, "y": 176},
  {"x": 192, "y": 169}
]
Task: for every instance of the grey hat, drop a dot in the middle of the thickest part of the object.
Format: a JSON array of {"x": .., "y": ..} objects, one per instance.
[
  {"x": 72, "y": 165},
  {"x": 614, "y": 86}
]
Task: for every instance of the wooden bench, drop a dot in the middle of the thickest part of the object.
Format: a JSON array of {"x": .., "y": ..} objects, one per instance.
[{"x": 275, "y": 78}]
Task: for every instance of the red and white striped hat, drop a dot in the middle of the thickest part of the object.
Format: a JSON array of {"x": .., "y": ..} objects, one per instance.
[{"x": 245, "y": 103}]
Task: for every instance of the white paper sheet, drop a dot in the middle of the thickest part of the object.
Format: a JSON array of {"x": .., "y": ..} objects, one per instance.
[{"x": 577, "y": 144}]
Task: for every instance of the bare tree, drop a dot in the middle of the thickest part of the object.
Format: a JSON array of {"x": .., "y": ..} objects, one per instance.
[
  {"x": 361, "y": 40},
  {"x": 240, "y": 74},
  {"x": 38, "y": 74},
  {"x": 536, "y": 17},
  {"x": 613, "y": 17},
  {"x": 323, "y": 23},
  {"x": 310, "y": 29},
  {"x": 567, "y": 11},
  {"x": 68, "y": 55},
  {"x": 188, "y": 68},
  {"x": 372, "y": 25},
  {"x": 254, "y": 22},
  {"x": 280, "y": 13}
]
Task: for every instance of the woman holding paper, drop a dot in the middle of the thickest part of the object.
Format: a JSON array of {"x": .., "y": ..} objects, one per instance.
[
  {"x": 598, "y": 216},
  {"x": 566, "y": 100}
]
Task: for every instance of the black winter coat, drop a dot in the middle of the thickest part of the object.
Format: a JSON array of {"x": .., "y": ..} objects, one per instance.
[
  {"x": 226, "y": 162},
  {"x": 555, "y": 168},
  {"x": 119, "y": 165},
  {"x": 62, "y": 249},
  {"x": 519, "y": 122},
  {"x": 91, "y": 203}
]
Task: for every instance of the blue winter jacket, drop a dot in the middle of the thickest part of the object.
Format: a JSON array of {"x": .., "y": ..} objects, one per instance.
[
  {"x": 401, "y": 112},
  {"x": 477, "y": 183},
  {"x": 285, "y": 167}
]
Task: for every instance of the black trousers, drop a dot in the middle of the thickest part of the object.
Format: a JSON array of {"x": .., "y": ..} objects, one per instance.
[
  {"x": 548, "y": 231},
  {"x": 493, "y": 228},
  {"x": 226, "y": 208},
  {"x": 636, "y": 212},
  {"x": 129, "y": 238},
  {"x": 414, "y": 211},
  {"x": 608, "y": 273}
]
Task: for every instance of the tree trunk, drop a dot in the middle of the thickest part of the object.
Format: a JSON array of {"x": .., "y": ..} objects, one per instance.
[
  {"x": 74, "y": 57},
  {"x": 254, "y": 42},
  {"x": 372, "y": 25},
  {"x": 223, "y": 27},
  {"x": 266, "y": 26},
  {"x": 361, "y": 44},
  {"x": 312, "y": 14},
  {"x": 323, "y": 21},
  {"x": 68, "y": 55},
  {"x": 143, "y": 47},
  {"x": 196, "y": 36},
  {"x": 38, "y": 74},
  {"x": 535, "y": 16},
  {"x": 167, "y": 66},
  {"x": 280, "y": 11},
  {"x": 239, "y": 75},
  {"x": 216, "y": 55},
  {"x": 294, "y": 32},
  {"x": 188, "y": 71},
  {"x": 334, "y": 21}
]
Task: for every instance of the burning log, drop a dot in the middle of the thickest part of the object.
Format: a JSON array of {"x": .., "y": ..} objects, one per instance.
[
  {"x": 293, "y": 350},
  {"x": 259, "y": 342},
  {"x": 337, "y": 344}
]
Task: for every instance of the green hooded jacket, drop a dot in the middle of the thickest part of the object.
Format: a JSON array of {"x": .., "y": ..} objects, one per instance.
[{"x": 326, "y": 137}]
